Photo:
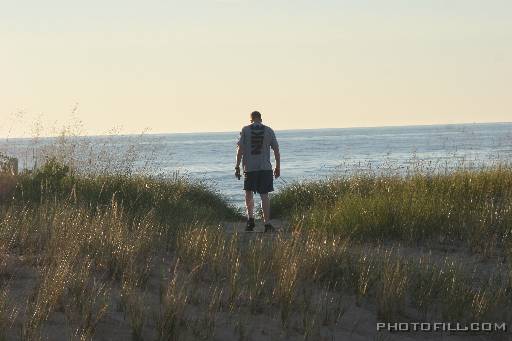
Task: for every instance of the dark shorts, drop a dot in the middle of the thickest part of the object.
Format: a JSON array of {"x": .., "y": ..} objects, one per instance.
[{"x": 259, "y": 181}]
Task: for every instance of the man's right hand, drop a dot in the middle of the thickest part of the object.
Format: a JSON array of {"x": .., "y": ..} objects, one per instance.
[{"x": 237, "y": 173}]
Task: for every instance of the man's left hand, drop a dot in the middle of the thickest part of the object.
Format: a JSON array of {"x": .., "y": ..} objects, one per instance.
[
  {"x": 237, "y": 173},
  {"x": 277, "y": 172}
]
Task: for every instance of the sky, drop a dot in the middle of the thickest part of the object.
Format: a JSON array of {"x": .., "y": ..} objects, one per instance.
[{"x": 204, "y": 65}]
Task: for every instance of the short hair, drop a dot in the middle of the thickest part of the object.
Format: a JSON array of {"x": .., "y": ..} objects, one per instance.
[{"x": 255, "y": 115}]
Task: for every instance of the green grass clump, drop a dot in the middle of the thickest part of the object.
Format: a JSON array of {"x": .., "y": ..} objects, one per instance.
[
  {"x": 174, "y": 201},
  {"x": 465, "y": 206}
]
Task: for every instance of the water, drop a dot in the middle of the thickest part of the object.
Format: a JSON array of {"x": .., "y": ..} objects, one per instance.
[{"x": 305, "y": 154}]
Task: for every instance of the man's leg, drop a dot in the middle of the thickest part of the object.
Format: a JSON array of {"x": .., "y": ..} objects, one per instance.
[
  {"x": 249, "y": 204},
  {"x": 265, "y": 207}
]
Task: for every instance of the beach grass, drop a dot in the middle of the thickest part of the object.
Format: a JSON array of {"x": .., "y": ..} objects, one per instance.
[
  {"x": 146, "y": 258},
  {"x": 467, "y": 207}
]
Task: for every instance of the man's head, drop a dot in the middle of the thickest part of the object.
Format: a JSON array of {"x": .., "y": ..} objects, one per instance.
[{"x": 255, "y": 116}]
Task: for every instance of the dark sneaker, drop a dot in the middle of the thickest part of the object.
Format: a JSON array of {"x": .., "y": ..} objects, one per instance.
[
  {"x": 250, "y": 225},
  {"x": 269, "y": 228}
]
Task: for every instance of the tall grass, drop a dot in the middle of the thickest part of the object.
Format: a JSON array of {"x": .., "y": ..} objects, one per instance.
[
  {"x": 88, "y": 236},
  {"x": 171, "y": 321},
  {"x": 3, "y": 312},
  {"x": 469, "y": 207},
  {"x": 96, "y": 244},
  {"x": 284, "y": 275},
  {"x": 171, "y": 199},
  {"x": 468, "y": 210}
]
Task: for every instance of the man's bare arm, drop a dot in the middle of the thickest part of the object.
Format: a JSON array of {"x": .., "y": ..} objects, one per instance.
[
  {"x": 277, "y": 156},
  {"x": 239, "y": 154}
]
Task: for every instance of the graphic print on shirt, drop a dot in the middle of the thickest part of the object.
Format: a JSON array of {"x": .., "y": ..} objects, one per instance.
[{"x": 257, "y": 134}]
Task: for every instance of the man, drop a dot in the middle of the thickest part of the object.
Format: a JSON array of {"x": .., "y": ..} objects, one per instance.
[{"x": 253, "y": 151}]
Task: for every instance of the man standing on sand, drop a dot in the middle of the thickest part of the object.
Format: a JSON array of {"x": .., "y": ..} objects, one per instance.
[{"x": 254, "y": 146}]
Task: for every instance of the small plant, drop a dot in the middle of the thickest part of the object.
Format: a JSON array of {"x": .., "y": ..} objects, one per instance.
[
  {"x": 366, "y": 273},
  {"x": 205, "y": 328},
  {"x": 287, "y": 263},
  {"x": 135, "y": 311},
  {"x": 172, "y": 311},
  {"x": 392, "y": 287},
  {"x": 53, "y": 283},
  {"x": 3, "y": 313},
  {"x": 234, "y": 263},
  {"x": 92, "y": 307},
  {"x": 257, "y": 264}
]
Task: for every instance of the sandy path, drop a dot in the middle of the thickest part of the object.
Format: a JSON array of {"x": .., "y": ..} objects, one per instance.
[{"x": 239, "y": 226}]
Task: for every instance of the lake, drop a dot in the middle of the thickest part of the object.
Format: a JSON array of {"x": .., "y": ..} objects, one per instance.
[{"x": 305, "y": 154}]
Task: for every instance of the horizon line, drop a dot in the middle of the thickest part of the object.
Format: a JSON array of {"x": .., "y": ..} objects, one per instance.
[{"x": 278, "y": 130}]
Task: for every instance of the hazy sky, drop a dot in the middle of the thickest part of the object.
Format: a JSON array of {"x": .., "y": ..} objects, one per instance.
[{"x": 204, "y": 65}]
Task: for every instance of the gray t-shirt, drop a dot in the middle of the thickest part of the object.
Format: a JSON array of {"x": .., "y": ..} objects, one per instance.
[{"x": 255, "y": 142}]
